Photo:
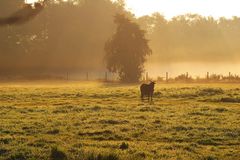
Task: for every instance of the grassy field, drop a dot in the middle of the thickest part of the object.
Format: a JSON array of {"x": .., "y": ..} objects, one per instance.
[{"x": 98, "y": 121}]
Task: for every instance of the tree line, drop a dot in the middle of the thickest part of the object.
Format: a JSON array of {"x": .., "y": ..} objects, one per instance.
[
  {"x": 193, "y": 38},
  {"x": 65, "y": 36}
]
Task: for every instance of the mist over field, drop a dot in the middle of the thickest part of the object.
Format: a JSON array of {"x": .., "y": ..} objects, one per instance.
[
  {"x": 195, "y": 69},
  {"x": 56, "y": 42}
]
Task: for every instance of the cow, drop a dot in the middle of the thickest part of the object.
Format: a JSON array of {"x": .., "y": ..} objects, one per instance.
[{"x": 147, "y": 90}]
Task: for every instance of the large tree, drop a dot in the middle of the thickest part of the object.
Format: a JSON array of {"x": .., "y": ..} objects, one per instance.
[
  {"x": 127, "y": 50},
  {"x": 55, "y": 42}
]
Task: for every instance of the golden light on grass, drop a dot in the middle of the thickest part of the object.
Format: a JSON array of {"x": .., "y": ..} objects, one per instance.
[{"x": 87, "y": 117}]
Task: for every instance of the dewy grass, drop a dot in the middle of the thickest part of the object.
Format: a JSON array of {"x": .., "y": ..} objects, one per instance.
[{"x": 98, "y": 121}]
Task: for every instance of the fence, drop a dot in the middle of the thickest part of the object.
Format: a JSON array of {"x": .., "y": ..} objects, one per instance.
[
  {"x": 186, "y": 77},
  {"x": 107, "y": 76}
]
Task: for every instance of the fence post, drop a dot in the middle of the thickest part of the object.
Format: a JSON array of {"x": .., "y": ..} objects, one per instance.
[
  {"x": 207, "y": 75},
  {"x": 166, "y": 76},
  {"x": 147, "y": 76},
  {"x": 143, "y": 78},
  {"x": 106, "y": 76},
  {"x": 87, "y": 77}
]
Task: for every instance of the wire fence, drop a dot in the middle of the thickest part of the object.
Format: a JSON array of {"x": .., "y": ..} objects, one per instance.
[{"x": 113, "y": 77}]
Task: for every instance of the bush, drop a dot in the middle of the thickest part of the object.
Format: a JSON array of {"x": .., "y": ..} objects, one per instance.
[
  {"x": 210, "y": 158},
  {"x": 18, "y": 156},
  {"x": 210, "y": 91},
  {"x": 57, "y": 154},
  {"x": 3, "y": 151},
  {"x": 230, "y": 100},
  {"x": 220, "y": 110},
  {"x": 54, "y": 131},
  {"x": 207, "y": 142},
  {"x": 110, "y": 156},
  {"x": 123, "y": 146}
]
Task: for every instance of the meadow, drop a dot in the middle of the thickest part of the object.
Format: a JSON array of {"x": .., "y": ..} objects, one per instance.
[{"x": 108, "y": 121}]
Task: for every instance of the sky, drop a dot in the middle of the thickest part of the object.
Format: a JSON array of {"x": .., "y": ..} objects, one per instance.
[{"x": 171, "y": 8}]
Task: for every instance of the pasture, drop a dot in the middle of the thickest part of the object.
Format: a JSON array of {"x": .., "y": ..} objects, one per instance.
[{"x": 101, "y": 121}]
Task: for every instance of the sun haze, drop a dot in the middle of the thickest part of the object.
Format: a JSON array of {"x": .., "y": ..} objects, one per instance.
[
  {"x": 170, "y": 8},
  {"x": 30, "y": 1}
]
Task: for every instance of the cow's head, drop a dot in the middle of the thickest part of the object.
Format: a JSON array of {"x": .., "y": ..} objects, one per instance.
[{"x": 152, "y": 83}]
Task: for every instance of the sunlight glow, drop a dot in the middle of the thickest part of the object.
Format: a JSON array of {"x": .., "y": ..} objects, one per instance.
[
  {"x": 171, "y": 8},
  {"x": 30, "y": 1}
]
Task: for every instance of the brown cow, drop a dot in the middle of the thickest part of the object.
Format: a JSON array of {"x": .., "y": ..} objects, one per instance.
[{"x": 147, "y": 90}]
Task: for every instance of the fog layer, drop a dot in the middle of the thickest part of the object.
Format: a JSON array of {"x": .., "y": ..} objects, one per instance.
[{"x": 70, "y": 36}]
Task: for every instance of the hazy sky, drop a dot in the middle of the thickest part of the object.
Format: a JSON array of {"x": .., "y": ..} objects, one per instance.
[{"x": 170, "y": 8}]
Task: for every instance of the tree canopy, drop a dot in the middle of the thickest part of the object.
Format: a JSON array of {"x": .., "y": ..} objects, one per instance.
[
  {"x": 192, "y": 38},
  {"x": 126, "y": 51},
  {"x": 63, "y": 37}
]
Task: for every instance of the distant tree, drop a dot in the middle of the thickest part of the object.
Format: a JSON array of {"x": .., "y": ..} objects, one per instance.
[
  {"x": 38, "y": 46},
  {"x": 184, "y": 77},
  {"x": 127, "y": 50}
]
